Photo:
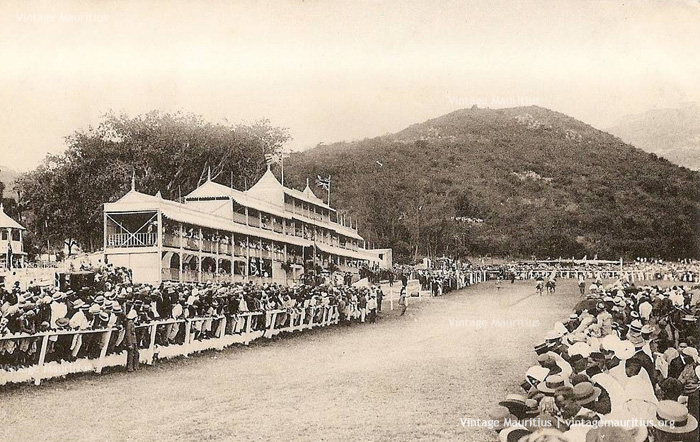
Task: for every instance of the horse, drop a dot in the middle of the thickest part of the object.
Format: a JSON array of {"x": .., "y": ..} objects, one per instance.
[
  {"x": 551, "y": 286},
  {"x": 538, "y": 287}
]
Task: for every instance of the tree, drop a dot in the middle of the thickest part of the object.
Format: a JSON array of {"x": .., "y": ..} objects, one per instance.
[{"x": 170, "y": 153}]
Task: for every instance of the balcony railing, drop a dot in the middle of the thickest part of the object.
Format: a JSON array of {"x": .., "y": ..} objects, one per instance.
[
  {"x": 170, "y": 274},
  {"x": 191, "y": 243},
  {"x": 208, "y": 277},
  {"x": 208, "y": 246},
  {"x": 171, "y": 240},
  {"x": 132, "y": 240},
  {"x": 189, "y": 276}
]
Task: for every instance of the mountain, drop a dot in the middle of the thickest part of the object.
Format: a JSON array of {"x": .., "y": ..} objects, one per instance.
[
  {"x": 7, "y": 177},
  {"x": 670, "y": 133},
  {"x": 509, "y": 182}
]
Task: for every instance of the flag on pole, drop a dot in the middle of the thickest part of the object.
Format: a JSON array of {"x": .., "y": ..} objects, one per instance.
[
  {"x": 323, "y": 182},
  {"x": 273, "y": 158}
]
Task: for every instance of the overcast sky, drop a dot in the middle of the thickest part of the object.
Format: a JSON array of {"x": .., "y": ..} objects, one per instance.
[{"x": 333, "y": 71}]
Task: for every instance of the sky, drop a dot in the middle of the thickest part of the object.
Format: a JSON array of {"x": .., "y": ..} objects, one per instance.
[{"x": 334, "y": 70}]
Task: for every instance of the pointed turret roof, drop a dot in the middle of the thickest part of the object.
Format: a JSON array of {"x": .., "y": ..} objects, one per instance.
[
  {"x": 7, "y": 222},
  {"x": 268, "y": 189}
]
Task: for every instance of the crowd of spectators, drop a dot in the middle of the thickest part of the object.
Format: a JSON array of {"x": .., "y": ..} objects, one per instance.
[
  {"x": 113, "y": 301},
  {"x": 622, "y": 367}
]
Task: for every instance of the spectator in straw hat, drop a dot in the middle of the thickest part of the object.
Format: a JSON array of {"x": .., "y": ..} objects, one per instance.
[{"x": 674, "y": 424}]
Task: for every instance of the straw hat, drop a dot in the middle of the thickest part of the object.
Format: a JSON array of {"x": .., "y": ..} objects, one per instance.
[
  {"x": 551, "y": 383},
  {"x": 673, "y": 418}
]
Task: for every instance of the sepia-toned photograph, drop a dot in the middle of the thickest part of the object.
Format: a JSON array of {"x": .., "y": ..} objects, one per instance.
[{"x": 349, "y": 221}]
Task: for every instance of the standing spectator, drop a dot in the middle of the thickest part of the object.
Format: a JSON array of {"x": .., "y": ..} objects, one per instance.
[
  {"x": 372, "y": 307},
  {"x": 132, "y": 351},
  {"x": 402, "y": 300}
]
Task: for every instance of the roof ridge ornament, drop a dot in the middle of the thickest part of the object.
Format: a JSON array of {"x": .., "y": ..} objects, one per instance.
[{"x": 133, "y": 180}]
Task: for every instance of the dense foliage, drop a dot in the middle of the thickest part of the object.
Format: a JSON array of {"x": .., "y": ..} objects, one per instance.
[
  {"x": 510, "y": 182},
  {"x": 62, "y": 199}
]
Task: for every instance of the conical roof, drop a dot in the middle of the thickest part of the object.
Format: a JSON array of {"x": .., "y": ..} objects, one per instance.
[{"x": 7, "y": 222}]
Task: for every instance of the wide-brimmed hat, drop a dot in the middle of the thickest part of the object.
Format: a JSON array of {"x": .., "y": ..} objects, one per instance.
[
  {"x": 553, "y": 336},
  {"x": 692, "y": 352},
  {"x": 578, "y": 378},
  {"x": 551, "y": 383},
  {"x": 132, "y": 314},
  {"x": 513, "y": 433},
  {"x": 62, "y": 322},
  {"x": 541, "y": 348},
  {"x": 580, "y": 348},
  {"x": 624, "y": 350},
  {"x": 536, "y": 373},
  {"x": 673, "y": 418},
  {"x": 585, "y": 393},
  {"x": 515, "y": 403},
  {"x": 78, "y": 303}
]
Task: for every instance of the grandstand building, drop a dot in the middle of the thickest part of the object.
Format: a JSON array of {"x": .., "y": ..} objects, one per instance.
[
  {"x": 268, "y": 233},
  {"x": 11, "y": 246}
]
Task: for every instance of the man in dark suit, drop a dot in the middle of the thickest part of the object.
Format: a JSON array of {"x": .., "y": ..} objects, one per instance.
[{"x": 132, "y": 351}]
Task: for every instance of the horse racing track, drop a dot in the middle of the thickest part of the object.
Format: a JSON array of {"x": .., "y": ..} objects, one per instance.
[{"x": 417, "y": 377}]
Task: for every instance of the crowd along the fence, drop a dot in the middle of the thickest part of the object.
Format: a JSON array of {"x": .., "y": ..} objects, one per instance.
[{"x": 157, "y": 340}]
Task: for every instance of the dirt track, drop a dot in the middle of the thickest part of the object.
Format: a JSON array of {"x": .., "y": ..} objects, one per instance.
[{"x": 406, "y": 378}]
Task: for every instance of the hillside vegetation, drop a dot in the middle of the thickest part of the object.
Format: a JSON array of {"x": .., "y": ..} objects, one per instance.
[{"x": 511, "y": 182}]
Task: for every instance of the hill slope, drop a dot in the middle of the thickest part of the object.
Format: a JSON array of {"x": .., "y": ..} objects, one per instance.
[
  {"x": 670, "y": 133},
  {"x": 7, "y": 177},
  {"x": 516, "y": 181}
]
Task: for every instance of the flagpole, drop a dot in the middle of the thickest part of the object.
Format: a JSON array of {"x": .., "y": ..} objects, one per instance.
[
  {"x": 329, "y": 190},
  {"x": 282, "y": 166}
]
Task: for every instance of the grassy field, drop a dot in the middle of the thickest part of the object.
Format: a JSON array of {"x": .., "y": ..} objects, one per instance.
[{"x": 408, "y": 378}]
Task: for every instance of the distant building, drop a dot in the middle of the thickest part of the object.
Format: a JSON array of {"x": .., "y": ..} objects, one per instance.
[
  {"x": 11, "y": 245},
  {"x": 267, "y": 233},
  {"x": 382, "y": 259}
]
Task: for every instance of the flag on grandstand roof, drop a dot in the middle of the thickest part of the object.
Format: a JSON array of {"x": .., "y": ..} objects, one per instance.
[
  {"x": 323, "y": 182},
  {"x": 273, "y": 158}
]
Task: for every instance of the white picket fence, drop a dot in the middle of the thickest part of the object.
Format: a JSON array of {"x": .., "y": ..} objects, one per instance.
[{"x": 242, "y": 333}]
